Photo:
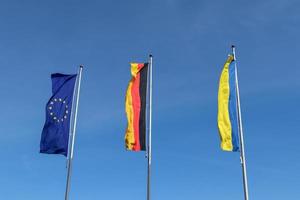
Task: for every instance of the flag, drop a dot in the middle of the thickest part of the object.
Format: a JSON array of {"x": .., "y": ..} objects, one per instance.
[
  {"x": 135, "y": 106},
  {"x": 227, "y": 107},
  {"x": 55, "y": 135}
]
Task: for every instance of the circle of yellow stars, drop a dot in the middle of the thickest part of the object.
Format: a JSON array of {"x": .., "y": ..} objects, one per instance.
[{"x": 53, "y": 116}]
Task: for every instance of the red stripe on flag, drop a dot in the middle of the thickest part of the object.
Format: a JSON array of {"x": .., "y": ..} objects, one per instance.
[{"x": 136, "y": 104}]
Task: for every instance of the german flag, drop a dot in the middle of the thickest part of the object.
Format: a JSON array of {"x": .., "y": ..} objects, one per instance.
[{"x": 135, "y": 138}]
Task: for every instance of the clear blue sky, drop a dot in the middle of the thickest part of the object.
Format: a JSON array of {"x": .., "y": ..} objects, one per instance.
[{"x": 190, "y": 41}]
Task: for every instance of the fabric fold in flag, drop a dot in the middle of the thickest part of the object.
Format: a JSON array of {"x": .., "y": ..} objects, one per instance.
[
  {"x": 227, "y": 108},
  {"x": 135, "y": 106},
  {"x": 55, "y": 135}
]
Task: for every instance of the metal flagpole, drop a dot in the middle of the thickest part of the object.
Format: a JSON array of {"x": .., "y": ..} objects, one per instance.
[
  {"x": 73, "y": 131},
  {"x": 149, "y": 153},
  {"x": 240, "y": 126}
]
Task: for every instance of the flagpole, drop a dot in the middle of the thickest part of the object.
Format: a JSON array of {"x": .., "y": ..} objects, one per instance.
[
  {"x": 149, "y": 153},
  {"x": 240, "y": 126},
  {"x": 73, "y": 132}
]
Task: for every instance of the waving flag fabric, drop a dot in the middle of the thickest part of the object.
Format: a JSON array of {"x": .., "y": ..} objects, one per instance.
[
  {"x": 227, "y": 107},
  {"x": 55, "y": 135},
  {"x": 135, "y": 138}
]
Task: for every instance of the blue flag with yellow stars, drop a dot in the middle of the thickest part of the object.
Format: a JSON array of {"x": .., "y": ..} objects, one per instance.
[{"x": 55, "y": 135}]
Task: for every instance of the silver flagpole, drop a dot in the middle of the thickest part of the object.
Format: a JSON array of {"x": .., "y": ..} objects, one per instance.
[
  {"x": 240, "y": 126},
  {"x": 73, "y": 131},
  {"x": 149, "y": 153}
]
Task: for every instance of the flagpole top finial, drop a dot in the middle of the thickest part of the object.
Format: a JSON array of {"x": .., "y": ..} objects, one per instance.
[
  {"x": 150, "y": 55},
  {"x": 233, "y": 46},
  {"x": 81, "y": 66}
]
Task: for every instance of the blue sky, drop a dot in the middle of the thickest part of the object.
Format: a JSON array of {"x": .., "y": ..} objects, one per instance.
[{"x": 190, "y": 41}]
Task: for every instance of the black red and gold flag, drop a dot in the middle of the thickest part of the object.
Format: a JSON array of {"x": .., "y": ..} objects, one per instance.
[{"x": 136, "y": 97}]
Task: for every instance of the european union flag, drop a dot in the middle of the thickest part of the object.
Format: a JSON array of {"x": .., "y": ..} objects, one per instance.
[{"x": 55, "y": 135}]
